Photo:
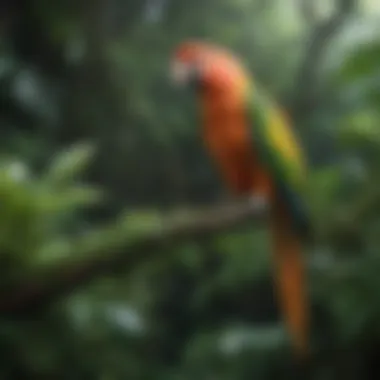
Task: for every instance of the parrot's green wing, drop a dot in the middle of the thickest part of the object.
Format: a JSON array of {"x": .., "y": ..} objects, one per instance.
[{"x": 280, "y": 154}]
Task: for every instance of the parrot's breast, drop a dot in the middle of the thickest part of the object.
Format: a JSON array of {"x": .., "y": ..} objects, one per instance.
[{"x": 227, "y": 137}]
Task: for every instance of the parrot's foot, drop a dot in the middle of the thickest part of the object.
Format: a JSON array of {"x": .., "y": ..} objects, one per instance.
[{"x": 259, "y": 203}]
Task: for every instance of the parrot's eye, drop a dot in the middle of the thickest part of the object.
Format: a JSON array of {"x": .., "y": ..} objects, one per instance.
[{"x": 188, "y": 74}]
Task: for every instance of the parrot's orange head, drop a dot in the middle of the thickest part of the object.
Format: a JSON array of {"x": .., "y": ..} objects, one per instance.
[{"x": 206, "y": 66}]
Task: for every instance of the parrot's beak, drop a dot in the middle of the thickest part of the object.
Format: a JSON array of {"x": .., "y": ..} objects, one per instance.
[{"x": 180, "y": 73}]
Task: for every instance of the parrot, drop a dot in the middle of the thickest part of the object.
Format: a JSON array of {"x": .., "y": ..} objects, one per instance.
[{"x": 258, "y": 156}]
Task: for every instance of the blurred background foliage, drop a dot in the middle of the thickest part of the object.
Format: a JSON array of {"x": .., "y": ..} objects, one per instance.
[{"x": 91, "y": 126}]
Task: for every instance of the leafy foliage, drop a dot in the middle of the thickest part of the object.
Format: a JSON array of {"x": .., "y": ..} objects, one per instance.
[
  {"x": 37, "y": 209},
  {"x": 74, "y": 72}
]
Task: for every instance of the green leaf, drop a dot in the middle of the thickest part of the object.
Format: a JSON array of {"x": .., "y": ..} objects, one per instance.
[
  {"x": 70, "y": 163},
  {"x": 362, "y": 126},
  {"x": 362, "y": 62}
]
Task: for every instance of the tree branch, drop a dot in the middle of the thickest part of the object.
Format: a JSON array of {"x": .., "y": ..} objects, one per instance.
[
  {"x": 40, "y": 289},
  {"x": 306, "y": 87}
]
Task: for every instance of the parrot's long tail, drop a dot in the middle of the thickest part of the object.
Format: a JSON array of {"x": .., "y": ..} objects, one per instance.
[{"x": 291, "y": 284}]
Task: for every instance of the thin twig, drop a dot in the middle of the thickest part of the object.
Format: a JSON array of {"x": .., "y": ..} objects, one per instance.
[{"x": 306, "y": 86}]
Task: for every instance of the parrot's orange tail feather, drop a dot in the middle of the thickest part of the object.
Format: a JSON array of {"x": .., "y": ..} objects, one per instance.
[{"x": 291, "y": 284}]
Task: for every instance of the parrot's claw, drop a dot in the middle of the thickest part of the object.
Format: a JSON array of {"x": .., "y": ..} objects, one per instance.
[{"x": 259, "y": 203}]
